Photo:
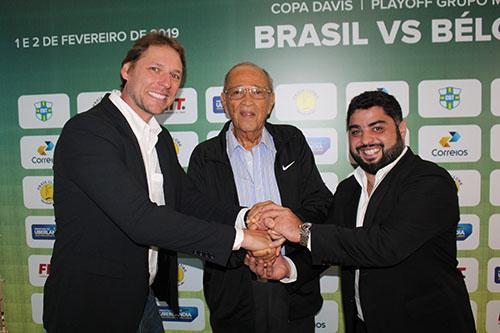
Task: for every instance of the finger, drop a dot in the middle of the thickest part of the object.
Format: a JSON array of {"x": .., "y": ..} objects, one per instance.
[{"x": 278, "y": 242}]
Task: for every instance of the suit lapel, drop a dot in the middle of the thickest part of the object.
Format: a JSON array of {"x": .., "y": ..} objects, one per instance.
[
  {"x": 166, "y": 166},
  {"x": 384, "y": 189}
]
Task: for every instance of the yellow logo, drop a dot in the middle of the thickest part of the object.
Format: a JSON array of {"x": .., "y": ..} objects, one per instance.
[
  {"x": 181, "y": 271},
  {"x": 305, "y": 101},
  {"x": 458, "y": 182},
  {"x": 46, "y": 190},
  {"x": 177, "y": 145}
]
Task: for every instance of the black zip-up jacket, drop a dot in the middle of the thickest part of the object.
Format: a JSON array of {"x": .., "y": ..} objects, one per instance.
[{"x": 228, "y": 291}]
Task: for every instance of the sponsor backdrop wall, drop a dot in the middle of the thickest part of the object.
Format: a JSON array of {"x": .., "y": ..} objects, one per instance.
[{"x": 440, "y": 58}]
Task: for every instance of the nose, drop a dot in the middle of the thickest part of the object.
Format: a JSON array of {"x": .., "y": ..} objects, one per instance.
[
  {"x": 366, "y": 138},
  {"x": 165, "y": 80}
]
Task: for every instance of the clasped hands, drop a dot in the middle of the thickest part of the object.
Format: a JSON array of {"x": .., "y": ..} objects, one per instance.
[{"x": 279, "y": 224}]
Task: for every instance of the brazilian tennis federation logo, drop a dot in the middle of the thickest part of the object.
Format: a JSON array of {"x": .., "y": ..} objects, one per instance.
[
  {"x": 449, "y": 97},
  {"x": 43, "y": 110},
  {"x": 446, "y": 140}
]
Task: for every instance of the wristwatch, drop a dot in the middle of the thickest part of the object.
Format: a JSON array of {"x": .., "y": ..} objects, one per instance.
[{"x": 305, "y": 233}]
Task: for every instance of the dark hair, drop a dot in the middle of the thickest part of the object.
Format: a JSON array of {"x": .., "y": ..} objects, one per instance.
[
  {"x": 153, "y": 38},
  {"x": 369, "y": 99},
  {"x": 251, "y": 64}
]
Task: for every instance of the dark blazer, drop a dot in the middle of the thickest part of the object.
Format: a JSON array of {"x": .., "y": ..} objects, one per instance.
[
  {"x": 406, "y": 251},
  {"x": 106, "y": 222},
  {"x": 228, "y": 291}
]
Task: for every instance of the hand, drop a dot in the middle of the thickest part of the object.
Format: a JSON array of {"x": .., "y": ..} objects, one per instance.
[
  {"x": 282, "y": 221},
  {"x": 266, "y": 256},
  {"x": 258, "y": 240},
  {"x": 253, "y": 222},
  {"x": 278, "y": 270}
]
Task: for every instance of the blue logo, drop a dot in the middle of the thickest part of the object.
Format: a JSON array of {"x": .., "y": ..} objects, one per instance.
[
  {"x": 383, "y": 89},
  {"x": 187, "y": 314},
  {"x": 217, "y": 105},
  {"x": 464, "y": 230},
  {"x": 497, "y": 274},
  {"x": 319, "y": 145},
  {"x": 43, "y": 231}
]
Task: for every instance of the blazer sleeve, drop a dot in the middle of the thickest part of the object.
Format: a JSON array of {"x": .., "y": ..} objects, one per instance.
[
  {"x": 90, "y": 155},
  {"x": 197, "y": 171},
  {"x": 425, "y": 207}
]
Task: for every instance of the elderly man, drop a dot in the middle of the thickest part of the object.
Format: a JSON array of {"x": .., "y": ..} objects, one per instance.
[
  {"x": 251, "y": 161},
  {"x": 119, "y": 189}
]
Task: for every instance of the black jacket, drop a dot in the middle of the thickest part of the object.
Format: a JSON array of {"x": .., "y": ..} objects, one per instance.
[
  {"x": 106, "y": 222},
  {"x": 228, "y": 291},
  {"x": 406, "y": 251}
]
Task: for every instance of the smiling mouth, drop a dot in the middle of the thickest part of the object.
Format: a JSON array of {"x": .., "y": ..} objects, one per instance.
[
  {"x": 158, "y": 96},
  {"x": 369, "y": 151}
]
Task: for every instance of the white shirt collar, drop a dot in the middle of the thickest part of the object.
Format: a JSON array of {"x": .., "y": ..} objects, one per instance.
[{"x": 138, "y": 125}]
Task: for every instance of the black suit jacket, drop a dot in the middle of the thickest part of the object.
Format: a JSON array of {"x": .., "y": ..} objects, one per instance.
[
  {"x": 406, "y": 251},
  {"x": 228, "y": 291},
  {"x": 106, "y": 223}
]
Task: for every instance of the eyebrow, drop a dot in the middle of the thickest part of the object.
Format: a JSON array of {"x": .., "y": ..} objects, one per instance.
[{"x": 377, "y": 122}]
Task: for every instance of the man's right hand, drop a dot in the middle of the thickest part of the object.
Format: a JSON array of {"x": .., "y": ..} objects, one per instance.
[{"x": 259, "y": 241}]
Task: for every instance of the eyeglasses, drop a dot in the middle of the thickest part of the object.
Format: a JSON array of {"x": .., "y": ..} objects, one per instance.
[{"x": 237, "y": 93}]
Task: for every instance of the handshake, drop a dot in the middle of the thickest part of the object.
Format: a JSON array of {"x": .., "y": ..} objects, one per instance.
[{"x": 268, "y": 227}]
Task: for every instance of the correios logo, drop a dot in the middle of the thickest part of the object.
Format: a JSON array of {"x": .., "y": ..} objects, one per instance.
[
  {"x": 445, "y": 142},
  {"x": 449, "y": 97}
]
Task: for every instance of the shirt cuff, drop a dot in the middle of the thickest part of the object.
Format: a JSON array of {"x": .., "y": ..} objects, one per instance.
[
  {"x": 293, "y": 272},
  {"x": 238, "y": 239},
  {"x": 240, "y": 219}
]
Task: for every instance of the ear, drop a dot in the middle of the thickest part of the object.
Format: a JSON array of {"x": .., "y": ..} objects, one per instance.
[
  {"x": 271, "y": 104},
  {"x": 402, "y": 129},
  {"x": 124, "y": 70},
  {"x": 223, "y": 101}
]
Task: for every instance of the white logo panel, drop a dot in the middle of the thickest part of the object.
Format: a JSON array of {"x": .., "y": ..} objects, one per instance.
[
  {"x": 399, "y": 89},
  {"x": 494, "y": 232},
  {"x": 469, "y": 268},
  {"x": 323, "y": 143},
  {"x": 87, "y": 100},
  {"x": 39, "y": 269},
  {"x": 37, "y": 308},
  {"x": 451, "y": 143},
  {"x": 495, "y": 187},
  {"x": 37, "y": 152},
  {"x": 329, "y": 280},
  {"x": 190, "y": 274},
  {"x": 331, "y": 180},
  {"x": 192, "y": 316},
  {"x": 213, "y": 105},
  {"x": 313, "y": 101},
  {"x": 468, "y": 184},
  {"x": 495, "y": 143},
  {"x": 494, "y": 275},
  {"x": 184, "y": 143},
  {"x": 327, "y": 320},
  {"x": 493, "y": 317},
  {"x": 38, "y": 192},
  {"x": 495, "y": 101},
  {"x": 468, "y": 230},
  {"x": 43, "y": 111},
  {"x": 184, "y": 109},
  {"x": 40, "y": 231},
  {"x": 449, "y": 98}
]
